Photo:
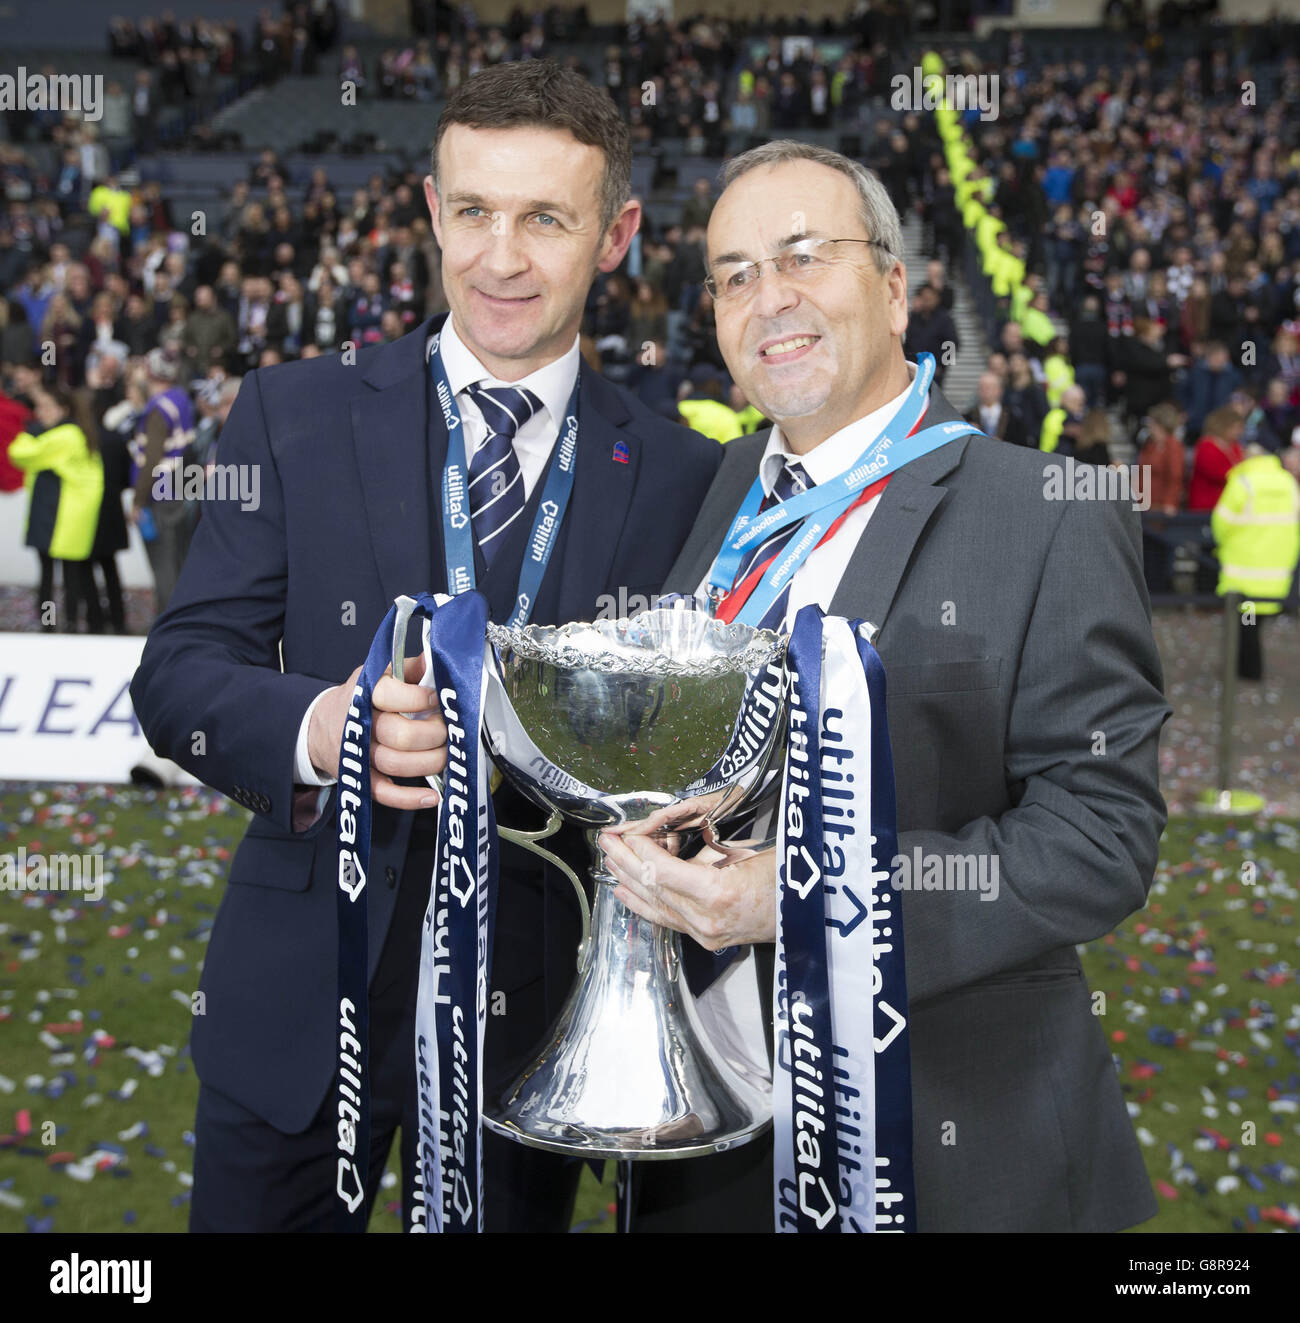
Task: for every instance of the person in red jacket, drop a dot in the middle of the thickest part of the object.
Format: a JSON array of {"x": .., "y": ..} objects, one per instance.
[
  {"x": 1216, "y": 452},
  {"x": 13, "y": 419}
]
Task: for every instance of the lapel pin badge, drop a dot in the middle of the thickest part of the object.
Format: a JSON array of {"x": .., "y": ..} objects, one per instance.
[{"x": 622, "y": 455}]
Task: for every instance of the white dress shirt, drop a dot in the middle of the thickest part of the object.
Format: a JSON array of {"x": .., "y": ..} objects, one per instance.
[
  {"x": 730, "y": 1006},
  {"x": 552, "y": 384}
]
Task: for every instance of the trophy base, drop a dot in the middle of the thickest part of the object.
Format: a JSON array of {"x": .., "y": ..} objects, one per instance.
[
  {"x": 629, "y": 1069},
  {"x": 659, "y": 1145}
]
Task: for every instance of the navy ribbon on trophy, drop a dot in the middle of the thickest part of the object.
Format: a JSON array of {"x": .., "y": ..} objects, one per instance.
[
  {"x": 841, "y": 1080},
  {"x": 454, "y": 955}
]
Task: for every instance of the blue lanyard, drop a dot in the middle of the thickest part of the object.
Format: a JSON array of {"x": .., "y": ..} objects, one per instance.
[
  {"x": 820, "y": 506},
  {"x": 457, "y": 524}
]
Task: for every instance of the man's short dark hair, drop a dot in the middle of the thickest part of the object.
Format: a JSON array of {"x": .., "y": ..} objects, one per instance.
[{"x": 543, "y": 94}]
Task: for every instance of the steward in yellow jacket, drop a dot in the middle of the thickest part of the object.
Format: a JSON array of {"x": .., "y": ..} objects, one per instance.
[{"x": 1256, "y": 526}]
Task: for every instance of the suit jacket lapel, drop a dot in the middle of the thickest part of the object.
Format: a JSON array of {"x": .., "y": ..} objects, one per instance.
[
  {"x": 602, "y": 496},
  {"x": 392, "y": 432},
  {"x": 872, "y": 577}
]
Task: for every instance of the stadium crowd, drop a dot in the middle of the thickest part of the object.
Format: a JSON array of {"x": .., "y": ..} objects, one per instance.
[{"x": 1149, "y": 209}]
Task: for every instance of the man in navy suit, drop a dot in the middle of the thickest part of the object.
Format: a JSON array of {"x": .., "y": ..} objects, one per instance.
[{"x": 247, "y": 676}]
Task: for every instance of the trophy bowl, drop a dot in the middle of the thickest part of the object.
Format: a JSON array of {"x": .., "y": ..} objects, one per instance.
[{"x": 670, "y": 723}]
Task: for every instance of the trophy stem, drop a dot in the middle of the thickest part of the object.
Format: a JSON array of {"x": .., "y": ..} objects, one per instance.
[{"x": 627, "y": 1070}]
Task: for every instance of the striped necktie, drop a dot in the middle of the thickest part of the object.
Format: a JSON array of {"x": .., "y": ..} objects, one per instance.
[
  {"x": 792, "y": 480},
  {"x": 496, "y": 484}
]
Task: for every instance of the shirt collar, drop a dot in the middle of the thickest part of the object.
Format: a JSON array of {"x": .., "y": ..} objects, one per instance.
[
  {"x": 837, "y": 453},
  {"x": 552, "y": 384}
]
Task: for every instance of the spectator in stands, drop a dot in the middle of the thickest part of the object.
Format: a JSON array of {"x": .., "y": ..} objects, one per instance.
[
  {"x": 365, "y": 311},
  {"x": 936, "y": 277},
  {"x": 992, "y": 416},
  {"x": 1058, "y": 372},
  {"x": 655, "y": 379},
  {"x": 110, "y": 529},
  {"x": 1209, "y": 385},
  {"x": 61, "y": 341},
  {"x": 65, "y": 482},
  {"x": 1024, "y": 396},
  {"x": 1218, "y": 451},
  {"x": 1283, "y": 417},
  {"x": 1093, "y": 444},
  {"x": 209, "y": 329},
  {"x": 1284, "y": 361},
  {"x": 931, "y": 330},
  {"x": 699, "y": 206},
  {"x": 144, "y": 112},
  {"x": 1163, "y": 456},
  {"x": 1143, "y": 370},
  {"x": 285, "y": 317},
  {"x": 352, "y": 73},
  {"x": 163, "y": 431},
  {"x": 1063, "y": 426},
  {"x": 14, "y": 416},
  {"x": 323, "y": 315},
  {"x": 254, "y": 308},
  {"x": 1064, "y": 252},
  {"x": 945, "y": 222},
  {"x": 1256, "y": 429},
  {"x": 171, "y": 335},
  {"x": 648, "y": 318},
  {"x": 1194, "y": 318},
  {"x": 1117, "y": 309}
]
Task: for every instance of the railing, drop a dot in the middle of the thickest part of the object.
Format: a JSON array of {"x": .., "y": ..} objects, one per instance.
[{"x": 1179, "y": 563}]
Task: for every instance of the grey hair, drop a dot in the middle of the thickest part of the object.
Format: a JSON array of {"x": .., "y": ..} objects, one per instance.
[{"x": 875, "y": 207}]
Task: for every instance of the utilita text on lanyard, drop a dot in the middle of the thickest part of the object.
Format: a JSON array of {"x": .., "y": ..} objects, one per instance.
[
  {"x": 824, "y": 506},
  {"x": 457, "y": 523}
]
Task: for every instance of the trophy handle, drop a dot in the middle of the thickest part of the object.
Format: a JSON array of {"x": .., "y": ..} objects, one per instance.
[
  {"x": 405, "y": 609},
  {"x": 529, "y": 839}
]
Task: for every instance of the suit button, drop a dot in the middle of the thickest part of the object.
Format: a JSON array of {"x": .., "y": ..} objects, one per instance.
[{"x": 390, "y": 875}]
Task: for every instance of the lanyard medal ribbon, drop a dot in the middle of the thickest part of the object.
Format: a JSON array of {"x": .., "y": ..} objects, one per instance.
[
  {"x": 821, "y": 508},
  {"x": 457, "y": 522}
]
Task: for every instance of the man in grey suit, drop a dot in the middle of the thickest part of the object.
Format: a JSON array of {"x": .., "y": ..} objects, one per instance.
[{"x": 1025, "y": 704}]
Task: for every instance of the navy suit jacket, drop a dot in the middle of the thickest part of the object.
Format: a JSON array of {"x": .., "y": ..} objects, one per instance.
[{"x": 277, "y": 604}]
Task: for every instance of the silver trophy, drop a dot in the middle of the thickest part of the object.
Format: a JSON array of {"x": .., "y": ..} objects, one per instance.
[{"x": 672, "y": 724}]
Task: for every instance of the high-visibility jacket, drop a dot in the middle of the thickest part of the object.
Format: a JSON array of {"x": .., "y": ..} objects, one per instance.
[
  {"x": 1007, "y": 272},
  {"x": 1038, "y": 327},
  {"x": 65, "y": 482},
  {"x": 710, "y": 418},
  {"x": 1256, "y": 527},
  {"x": 116, "y": 200},
  {"x": 1060, "y": 376},
  {"x": 971, "y": 210},
  {"x": 1050, "y": 436},
  {"x": 750, "y": 419}
]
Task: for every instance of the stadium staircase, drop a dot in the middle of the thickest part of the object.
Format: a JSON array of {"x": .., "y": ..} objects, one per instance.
[{"x": 963, "y": 376}]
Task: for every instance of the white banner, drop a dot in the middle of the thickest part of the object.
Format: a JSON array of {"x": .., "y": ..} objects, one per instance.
[{"x": 65, "y": 713}]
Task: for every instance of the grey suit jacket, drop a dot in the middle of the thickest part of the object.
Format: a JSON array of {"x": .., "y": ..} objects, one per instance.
[{"x": 1025, "y": 704}]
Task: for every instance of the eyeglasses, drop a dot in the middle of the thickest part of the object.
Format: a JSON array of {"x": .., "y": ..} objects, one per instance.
[{"x": 802, "y": 259}]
